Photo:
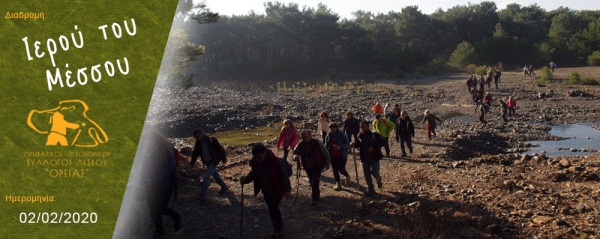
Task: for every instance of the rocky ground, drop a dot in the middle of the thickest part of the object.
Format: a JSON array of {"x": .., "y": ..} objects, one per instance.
[{"x": 472, "y": 181}]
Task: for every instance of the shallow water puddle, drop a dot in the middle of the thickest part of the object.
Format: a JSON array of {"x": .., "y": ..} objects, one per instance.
[{"x": 581, "y": 136}]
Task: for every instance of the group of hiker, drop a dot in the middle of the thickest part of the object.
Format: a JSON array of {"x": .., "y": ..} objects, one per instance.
[
  {"x": 477, "y": 85},
  {"x": 271, "y": 174},
  {"x": 507, "y": 106},
  {"x": 528, "y": 70},
  {"x": 483, "y": 101}
]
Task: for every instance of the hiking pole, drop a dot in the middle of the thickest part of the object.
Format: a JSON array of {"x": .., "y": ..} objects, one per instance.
[
  {"x": 355, "y": 169},
  {"x": 242, "y": 213},
  {"x": 297, "y": 179}
]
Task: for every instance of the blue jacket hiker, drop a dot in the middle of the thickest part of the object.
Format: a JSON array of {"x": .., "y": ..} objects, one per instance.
[{"x": 337, "y": 144}]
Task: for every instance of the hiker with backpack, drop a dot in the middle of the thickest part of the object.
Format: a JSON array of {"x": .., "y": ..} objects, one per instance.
[
  {"x": 270, "y": 175},
  {"x": 497, "y": 78},
  {"x": 384, "y": 127},
  {"x": 212, "y": 153},
  {"x": 487, "y": 99},
  {"x": 370, "y": 144},
  {"x": 474, "y": 94},
  {"x": 288, "y": 137},
  {"x": 482, "y": 110},
  {"x": 504, "y": 109},
  {"x": 405, "y": 130},
  {"x": 531, "y": 70},
  {"x": 313, "y": 157},
  {"x": 161, "y": 180},
  {"x": 481, "y": 83},
  {"x": 430, "y": 119},
  {"x": 395, "y": 115},
  {"x": 552, "y": 65},
  {"x": 488, "y": 80},
  {"x": 469, "y": 84},
  {"x": 351, "y": 125},
  {"x": 377, "y": 109},
  {"x": 337, "y": 144},
  {"x": 477, "y": 99}
]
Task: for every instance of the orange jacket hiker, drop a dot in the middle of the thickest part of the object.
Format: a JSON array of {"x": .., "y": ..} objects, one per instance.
[{"x": 377, "y": 109}]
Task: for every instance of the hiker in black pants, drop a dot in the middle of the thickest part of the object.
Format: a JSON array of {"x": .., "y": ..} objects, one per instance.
[
  {"x": 337, "y": 143},
  {"x": 269, "y": 176},
  {"x": 469, "y": 83},
  {"x": 351, "y": 126},
  {"x": 488, "y": 80},
  {"x": 482, "y": 84},
  {"x": 478, "y": 99},
  {"x": 482, "y": 111},
  {"x": 384, "y": 127},
  {"x": 504, "y": 109},
  {"x": 314, "y": 158},
  {"x": 405, "y": 130},
  {"x": 160, "y": 179},
  {"x": 531, "y": 70},
  {"x": 370, "y": 144},
  {"x": 497, "y": 78}
]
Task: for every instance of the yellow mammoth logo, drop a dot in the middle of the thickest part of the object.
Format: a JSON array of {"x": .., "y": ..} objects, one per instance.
[{"x": 64, "y": 125}]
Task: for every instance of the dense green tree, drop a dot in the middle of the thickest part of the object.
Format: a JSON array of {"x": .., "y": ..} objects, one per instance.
[
  {"x": 293, "y": 42},
  {"x": 463, "y": 56},
  {"x": 592, "y": 34}
]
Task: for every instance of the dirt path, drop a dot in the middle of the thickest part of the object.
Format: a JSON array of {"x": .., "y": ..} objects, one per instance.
[{"x": 466, "y": 183}]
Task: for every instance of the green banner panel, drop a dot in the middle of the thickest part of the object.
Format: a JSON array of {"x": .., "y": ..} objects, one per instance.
[{"x": 77, "y": 78}]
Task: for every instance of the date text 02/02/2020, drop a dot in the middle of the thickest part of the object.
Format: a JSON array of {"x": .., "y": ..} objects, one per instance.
[{"x": 58, "y": 217}]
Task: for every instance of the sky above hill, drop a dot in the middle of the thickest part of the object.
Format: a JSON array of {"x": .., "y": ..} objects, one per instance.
[{"x": 345, "y": 7}]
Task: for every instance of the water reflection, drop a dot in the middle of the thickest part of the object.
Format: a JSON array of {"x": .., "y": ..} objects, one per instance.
[{"x": 581, "y": 136}]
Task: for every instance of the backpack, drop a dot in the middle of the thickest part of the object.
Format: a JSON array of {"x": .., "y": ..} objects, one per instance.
[{"x": 288, "y": 167}]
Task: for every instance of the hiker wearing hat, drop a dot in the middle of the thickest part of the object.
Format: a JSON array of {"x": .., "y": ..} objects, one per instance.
[
  {"x": 384, "y": 127},
  {"x": 269, "y": 176},
  {"x": 211, "y": 152}
]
